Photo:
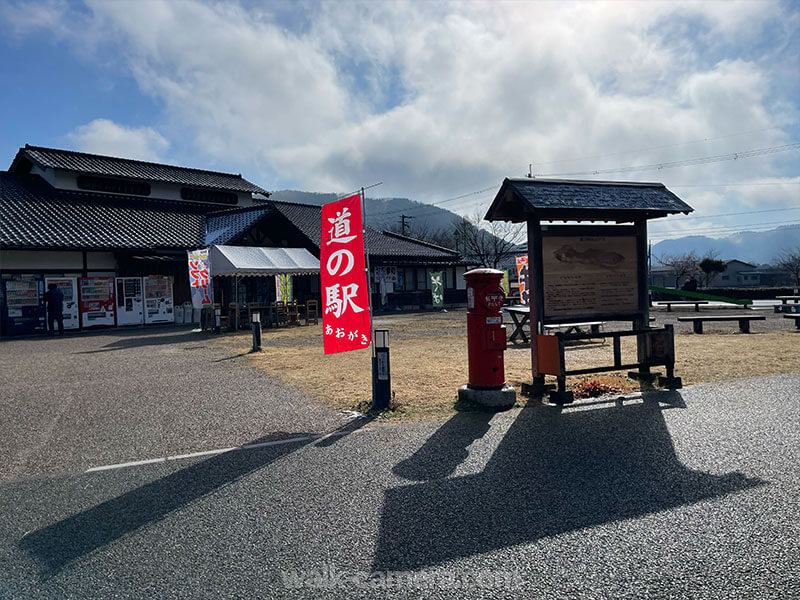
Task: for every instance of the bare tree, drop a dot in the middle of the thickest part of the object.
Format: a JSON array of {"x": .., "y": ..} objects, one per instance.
[
  {"x": 680, "y": 265},
  {"x": 789, "y": 261},
  {"x": 487, "y": 243}
]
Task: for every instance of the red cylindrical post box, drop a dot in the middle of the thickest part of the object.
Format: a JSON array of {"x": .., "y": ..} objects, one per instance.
[{"x": 486, "y": 334}]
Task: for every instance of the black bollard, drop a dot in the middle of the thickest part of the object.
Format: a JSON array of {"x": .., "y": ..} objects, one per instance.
[
  {"x": 256, "y": 324},
  {"x": 381, "y": 375}
]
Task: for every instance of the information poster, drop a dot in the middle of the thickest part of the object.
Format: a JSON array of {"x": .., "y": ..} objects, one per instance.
[
  {"x": 589, "y": 274},
  {"x": 523, "y": 279},
  {"x": 96, "y": 301},
  {"x": 68, "y": 287},
  {"x": 158, "y": 306}
]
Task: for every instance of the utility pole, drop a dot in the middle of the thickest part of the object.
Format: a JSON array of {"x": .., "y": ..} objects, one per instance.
[{"x": 403, "y": 219}]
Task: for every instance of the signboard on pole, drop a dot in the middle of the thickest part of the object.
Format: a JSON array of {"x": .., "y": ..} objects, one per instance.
[
  {"x": 199, "y": 278},
  {"x": 343, "y": 278},
  {"x": 437, "y": 289},
  {"x": 523, "y": 279}
]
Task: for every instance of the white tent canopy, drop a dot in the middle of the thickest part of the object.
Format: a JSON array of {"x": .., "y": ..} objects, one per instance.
[{"x": 249, "y": 261}]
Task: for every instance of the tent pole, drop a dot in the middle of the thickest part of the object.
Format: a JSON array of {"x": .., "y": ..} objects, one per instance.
[
  {"x": 236, "y": 283},
  {"x": 366, "y": 257}
]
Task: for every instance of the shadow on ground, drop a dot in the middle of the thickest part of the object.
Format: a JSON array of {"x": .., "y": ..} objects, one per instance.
[
  {"x": 138, "y": 338},
  {"x": 57, "y": 545},
  {"x": 555, "y": 471}
]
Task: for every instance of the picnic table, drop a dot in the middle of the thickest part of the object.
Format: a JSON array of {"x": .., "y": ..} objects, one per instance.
[
  {"x": 785, "y": 299},
  {"x": 669, "y": 303},
  {"x": 520, "y": 315},
  {"x": 594, "y": 327}
]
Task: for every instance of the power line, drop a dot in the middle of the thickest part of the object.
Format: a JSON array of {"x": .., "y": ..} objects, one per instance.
[
  {"x": 755, "y": 183},
  {"x": 748, "y": 212},
  {"x": 729, "y": 228},
  {"x": 702, "y": 160},
  {"x": 704, "y": 140},
  {"x": 439, "y": 202},
  {"x": 424, "y": 212}
]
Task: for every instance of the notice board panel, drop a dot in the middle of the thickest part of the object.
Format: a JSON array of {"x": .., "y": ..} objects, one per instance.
[{"x": 585, "y": 274}]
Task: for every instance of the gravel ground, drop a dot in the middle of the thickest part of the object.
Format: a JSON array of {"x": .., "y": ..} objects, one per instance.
[{"x": 688, "y": 494}]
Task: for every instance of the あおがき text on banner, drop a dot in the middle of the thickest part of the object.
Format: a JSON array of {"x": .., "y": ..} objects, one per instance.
[{"x": 345, "y": 295}]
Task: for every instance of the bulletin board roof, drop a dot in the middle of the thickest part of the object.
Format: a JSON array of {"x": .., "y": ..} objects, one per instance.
[{"x": 566, "y": 199}]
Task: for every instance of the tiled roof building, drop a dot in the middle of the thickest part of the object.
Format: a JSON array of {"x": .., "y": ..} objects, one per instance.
[{"x": 72, "y": 214}]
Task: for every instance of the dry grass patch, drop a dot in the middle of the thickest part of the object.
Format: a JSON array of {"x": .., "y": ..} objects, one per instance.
[{"x": 429, "y": 361}]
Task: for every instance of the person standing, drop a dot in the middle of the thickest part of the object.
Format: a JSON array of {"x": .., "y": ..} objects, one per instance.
[{"x": 55, "y": 309}]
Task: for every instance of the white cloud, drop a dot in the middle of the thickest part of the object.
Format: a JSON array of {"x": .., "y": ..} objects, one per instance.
[
  {"x": 102, "y": 136},
  {"x": 438, "y": 99}
]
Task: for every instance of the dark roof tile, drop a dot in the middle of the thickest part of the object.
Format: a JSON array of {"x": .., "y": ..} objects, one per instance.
[
  {"x": 526, "y": 195},
  {"x": 35, "y": 215},
  {"x": 224, "y": 227},
  {"x": 136, "y": 169}
]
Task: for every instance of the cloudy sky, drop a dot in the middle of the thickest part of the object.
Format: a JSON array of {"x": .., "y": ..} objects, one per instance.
[{"x": 437, "y": 100}]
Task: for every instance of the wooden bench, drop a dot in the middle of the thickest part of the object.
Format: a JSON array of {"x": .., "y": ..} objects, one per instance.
[
  {"x": 744, "y": 321},
  {"x": 669, "y": 303},
  {"x": 785, "y": 299},
  {"x": 796, "y": 319},
  {"x": 568, "y": 328}
]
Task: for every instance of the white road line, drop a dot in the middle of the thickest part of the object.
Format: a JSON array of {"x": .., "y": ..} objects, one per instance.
[
  {"x": 128, "y": 464},
  {"x": 165, "y": 459}
]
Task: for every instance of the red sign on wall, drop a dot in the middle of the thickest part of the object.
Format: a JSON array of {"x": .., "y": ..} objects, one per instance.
[{"x": 345, "y": 295}]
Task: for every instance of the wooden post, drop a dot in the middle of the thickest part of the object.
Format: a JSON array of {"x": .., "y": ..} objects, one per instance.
[
  {"x": 643, "y": 318},
  {"x": 535, "y": 294}
]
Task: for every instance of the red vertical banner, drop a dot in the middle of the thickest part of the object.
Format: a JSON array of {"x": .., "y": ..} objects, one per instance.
[{"x": 345, "y": 295}]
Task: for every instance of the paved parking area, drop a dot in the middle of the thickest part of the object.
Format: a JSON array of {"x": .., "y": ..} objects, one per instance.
[
  {"x": 676, "y": 495},
  {"x": 84, "y": 400}
]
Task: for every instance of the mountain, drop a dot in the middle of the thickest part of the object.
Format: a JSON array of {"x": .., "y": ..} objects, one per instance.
[
  {"x": 757, "y": 247},
  {"x": 383, "y": 213}
]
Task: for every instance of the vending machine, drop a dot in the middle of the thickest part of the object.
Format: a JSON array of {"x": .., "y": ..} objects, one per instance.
[
  {"x": 158, "y": 306},
  {"x": 96, "y": 301},
  {"x": 23, "y": 305},
  {"x": 68, "y": 287},
  {"x": 130, "y": 301}
]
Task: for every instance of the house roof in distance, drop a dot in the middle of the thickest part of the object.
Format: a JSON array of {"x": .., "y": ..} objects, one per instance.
[
  {"x": 111, "y": 166},
  {"x": 567, "y": 199}
]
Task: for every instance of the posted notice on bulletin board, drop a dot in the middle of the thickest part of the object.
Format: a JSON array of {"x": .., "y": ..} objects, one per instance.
[{"x": 589, "y": 274}]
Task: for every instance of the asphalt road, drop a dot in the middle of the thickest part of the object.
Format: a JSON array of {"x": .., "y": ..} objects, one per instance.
[{"x": 690, "y": 494}]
